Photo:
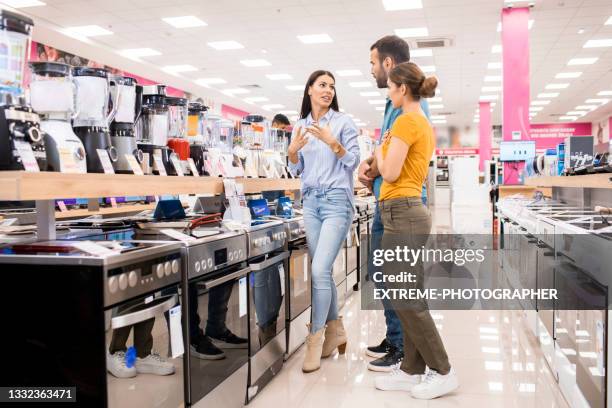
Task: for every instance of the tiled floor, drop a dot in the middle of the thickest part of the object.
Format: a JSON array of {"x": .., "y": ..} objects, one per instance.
[{"x": 497, "y": 360}]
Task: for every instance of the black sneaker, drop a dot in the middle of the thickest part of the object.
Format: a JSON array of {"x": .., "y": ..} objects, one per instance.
[
  {"x": 229, "y": 340},
  {"x": 388, "y": 362},
  {"x": 380, "y": 350},
  {"x": 204, "y": 349}
]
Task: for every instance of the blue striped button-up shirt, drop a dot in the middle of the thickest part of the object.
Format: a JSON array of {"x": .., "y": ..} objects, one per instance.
[{"x": 318, "y": 166}]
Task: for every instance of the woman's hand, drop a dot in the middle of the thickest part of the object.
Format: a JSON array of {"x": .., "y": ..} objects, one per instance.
[
  {"x": 324, "y": 134},
  {"x": 297, "y": 142}
]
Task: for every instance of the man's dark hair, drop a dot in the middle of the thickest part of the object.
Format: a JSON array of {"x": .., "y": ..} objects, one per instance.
[
  {"x": 393, "y": 47},
  {"x": 282, "y": 119}
]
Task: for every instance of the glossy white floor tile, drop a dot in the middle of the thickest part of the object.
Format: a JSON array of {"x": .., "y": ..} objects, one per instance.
[{"x": 496, "y": 357}]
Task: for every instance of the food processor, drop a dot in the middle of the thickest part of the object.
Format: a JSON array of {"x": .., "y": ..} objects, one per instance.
[
  {"x": 123, "y": 132},
  {"x": 196, "y": 131},
  {"x": 177, "y": 130},
  {"x": 91, "y": 123},
  {"x": 53, "y": 96}
]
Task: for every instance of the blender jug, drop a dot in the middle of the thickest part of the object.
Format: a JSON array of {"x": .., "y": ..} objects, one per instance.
[
  {"x": 123, "y": 132},
  {"x": 177, "y": 129}
]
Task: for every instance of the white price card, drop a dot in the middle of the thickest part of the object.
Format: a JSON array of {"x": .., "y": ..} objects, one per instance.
[
  {"x": 8, "y": 222},
  {"x": 92, "y": 248},
  {"x": 193, "y": 167},
  {"x": 176, "y": 235},
  {"x": 107, "y": 166},
  {"x": 305, "y": 267},
  {"x": 158, "y": 164},
  {"x": 62, "y": 206},
  {"x": 113, "y": 201},
  {"x": 177, "y": 166},
  {"x": 27, "y": 156},
  {"x": 281, "y": 275},
  {"x": 67, "y": 162},
  {"x": 134, "y": 165},
  {"x": 176, "y": 332},
  {"x": 242, "y": 295}
]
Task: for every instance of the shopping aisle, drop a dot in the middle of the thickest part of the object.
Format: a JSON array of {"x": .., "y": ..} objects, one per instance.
[{"x": 497, "y": 361}]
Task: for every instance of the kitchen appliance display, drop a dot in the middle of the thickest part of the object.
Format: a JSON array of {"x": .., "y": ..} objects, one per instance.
[{"x": 123, "y": 133}]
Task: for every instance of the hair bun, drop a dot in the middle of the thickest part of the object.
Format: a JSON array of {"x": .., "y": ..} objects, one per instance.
[{"x": 428, "y": 88}]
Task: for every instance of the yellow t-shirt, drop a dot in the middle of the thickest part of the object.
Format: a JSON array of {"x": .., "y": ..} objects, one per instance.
[{"x": 414, "y": 129}]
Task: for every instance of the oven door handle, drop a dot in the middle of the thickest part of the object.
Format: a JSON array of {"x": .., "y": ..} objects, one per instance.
[
  {"x": 145, "y": 314},
  {"x": 226, "y": 278},
  {"x": 269, "y": 262}
]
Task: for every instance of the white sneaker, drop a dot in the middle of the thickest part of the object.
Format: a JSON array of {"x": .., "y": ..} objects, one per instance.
[
  {"x": 435, "y": 385},
  {"x": 397, "y": 380},
  {"x": 154, "y": 364},
  {"x": 115, "y": 364}
]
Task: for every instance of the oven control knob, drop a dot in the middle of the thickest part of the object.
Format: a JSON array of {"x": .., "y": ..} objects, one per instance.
[
  {"x": 167, "y": 268},
  {"x": 175, "y": 266},
  {"x": 235, "y": 255},
  {"x": 240, "y": 253},
  {"x": 159, "y": 270},
  {"x": 203, "y": 264},
  {"x": 210, "y": 262},
  {"x": 123, "y": 281},
  {"x": 132, "y": 279},
  {"x": 256, "y": 243},
  {"x": 231, "y": 256},
  {"x": 196, "y": 266},
  {"x": 113, "y": 284}
]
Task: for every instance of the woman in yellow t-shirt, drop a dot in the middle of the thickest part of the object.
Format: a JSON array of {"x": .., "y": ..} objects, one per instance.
[{"x": 403, "y": 160}]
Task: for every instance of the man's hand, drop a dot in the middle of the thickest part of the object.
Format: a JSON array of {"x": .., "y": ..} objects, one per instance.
[{"x": 364, "y": 169}]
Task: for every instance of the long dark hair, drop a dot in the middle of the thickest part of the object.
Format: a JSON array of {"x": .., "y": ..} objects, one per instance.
[{"x": 306, "y": 105}]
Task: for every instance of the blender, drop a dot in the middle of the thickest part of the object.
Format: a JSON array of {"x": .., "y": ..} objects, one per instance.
[
  {"x": 196, "y": 129},
  {"x": 123, "y": 134},
  {"x": 255, "y": 138},
  {"x": 19, "y": 126},
  {"x": 93, "y": 118},
  {"x": 177, "y": 130},
  {"x": 53, "y": 96}
]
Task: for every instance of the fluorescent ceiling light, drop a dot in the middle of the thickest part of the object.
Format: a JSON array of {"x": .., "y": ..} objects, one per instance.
[
  {"x": 184, "y": 22},
  {"x": 489, "y": 97},
  {"x": 315, "y": 38},
  {"x": 435, "y": 99},
  {"x": 439, "y": 122},
  {"x": 254, "y": 99},
  {"x": 428, "y": 69},
  {"x": 392, "y": 5},
  {"x": 412, "y": 32},
  {"x": 605, "y": 42},
  {"x": 586, "y": 107},
  {"x": 364, "y": 84},
  {"x": 179, "y": 68},
  {"x": 278, "y": 77},
  {"x": 273, "y": 106},
  {"x": 377, "y": 101},
  {"x": 380, "y": 108},
  {"x": 494, "y": 65},
  {"x": 535, "y": 108},
  {"x": 370, "y": 93},
  {"x": 548, "y": 95},
  {"x": 210, "y": 81},
  {"x": 236, "y": 91},
  {"x": 568, "y": 117},
  {"x": 139, "y": 52},
  {"x": 348, "y": 72},
  {"x": 609, "y": 21},
  {"x": 577, "y": 113},
  {"x": 360, "y": 124},
  {"x": 88, "y": 31},
  {"x": 493, "y": 78},
  {"x": 496, "y": 49},
  {"x": 439, "y": 106},
  {"x": 255, "y": 63},
  {"x": 295, "y": 87},
  {"x": 288, "y": 112},
  {"x": 540, "y": 103},
  {"x": 438, "y": 117},
  {"x": 421, "y": 52},
  {"x": 582, "y": 61},
  {"x": 23, "y": 3},
  {"x": 225, "y": 45},
  {"x": 605, "y": 93},
  {"x": 599, "y": 101},
  {"x": 566, "y": 75},
  {"x": 557, "y": 86},
  {"x": 491, "y": 88}
]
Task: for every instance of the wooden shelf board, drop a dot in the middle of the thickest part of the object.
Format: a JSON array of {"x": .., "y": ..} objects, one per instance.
[{"x": 586, "y": 181}]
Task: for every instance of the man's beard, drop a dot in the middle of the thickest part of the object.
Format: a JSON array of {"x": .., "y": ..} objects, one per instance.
[{"x": 381, "y": 82}]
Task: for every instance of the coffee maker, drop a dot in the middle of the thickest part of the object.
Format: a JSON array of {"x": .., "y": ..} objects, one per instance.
[
  {"x": 53, "y": 96},
  {"x": 123, "y": 132},
  {"x": 196, "y": 133},
  {"x": 93, "y": 117},
  {"x": 177, "y": 130}
]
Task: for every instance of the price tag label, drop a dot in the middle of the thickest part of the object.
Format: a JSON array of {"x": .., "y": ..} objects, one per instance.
[
  {"x": 158, "y": 164},
  {"x": 92, "y": 248},
  {"x": 67, "y": 162},
  {"x": 62, "y": 206},
  {"x": 134, "y": 165},
  {"x": 177, "y": 235},
  {"x": 177, "y": 166},
  {"x": 176, "y": 332},
  {"x": 209, "y": 167},
  {"x": 105, "y": 160},
  {"x": 193, "y": 167},
  {"x": 27, "y": 156},
  {"x": 113, "y": 201},
  {"x": 8, "y": 222},
  {"x": 281, "y": 276},
  {"x": 242, "y": 295}
]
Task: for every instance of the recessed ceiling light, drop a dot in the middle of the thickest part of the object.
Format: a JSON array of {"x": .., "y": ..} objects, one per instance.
[
  {"x": 255, "y": 99},
  {"x": 88, "y": 31},
  {"x": 380, "y": 108},
  {"x": 225, "y": 45},
  {"x": 540, "y": 103},
  {"x": 494, "y": 65},
  {"x": 493, "y": 78},
  {"x": 255, "y": 63},
  {"x": 370, "y": 93},
  {"x": 535, "y": 108},
  {"x": 278, "y": 77},
  {"x": 412, "y": 32},
  {"x": 598, "y": 101},
  {"x": 363, "y": 84},
  {"x": 489, "y": 97},
  {"x": 377, "y": 101},
  {"x": 184, "y": 21},
  {"x": 295, "y": 87},
  {"x": 210, "y": 81},
  {"x": 439, "y": 122},
  {"x": 23, "y": 3},
  {"x": 428, "y": 69},
  {"x": 273, "y": 106},
  {"x": 605, "y": 93},
  {"x": 348, "y": 72},
  {"x": 288, "y": 112},
  {"x": 582, "y": 61},
  {"x": 605, "y": 42},
  {"x": 438, "y": 117},
  {"x": 576, "y": 113},
  {"x": 236, "y": 91},
  {"x": 392, "y": 5},
  {"x": 581, "y": 31},
  {"x": 586, "y": 107},
  {"x": 435, "y": 99},
  {"x": 315, "y": 38},
  {"x": 557, "y": 86},
  {"x": 491, "y": 88},
  {"x": 139, "y": 52},
  {"x": 421, "y": 52},
  {"x": 568, "y": 117},
  {"x": 609, "y": 21},
  {"x": 360, "y": 124},
  {"x": 496, "y": 49},
  {"x": 175, "y": 69},
  {"x": 438, "y": 106},
  {"x": 566, "y": 75},
  {"x": 548, "y": 95}
]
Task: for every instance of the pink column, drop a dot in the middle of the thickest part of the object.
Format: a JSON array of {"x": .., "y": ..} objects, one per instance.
[
  {"x": 515, "y": 48},
  {"x": 485, "y": 132}
]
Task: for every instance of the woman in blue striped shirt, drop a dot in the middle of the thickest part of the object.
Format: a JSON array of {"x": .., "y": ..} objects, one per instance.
[{"x": 324, "y": 150}]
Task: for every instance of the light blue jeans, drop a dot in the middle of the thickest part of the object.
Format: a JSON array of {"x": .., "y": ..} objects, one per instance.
[{"x": 328, "y": 214}]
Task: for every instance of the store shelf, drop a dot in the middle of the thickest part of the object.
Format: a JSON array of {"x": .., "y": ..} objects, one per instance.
[
  {"x": 20, "y": 185},
  {"x": 586, "y": 181},
  {"x": 527, "y": 191},
  {"x": 120, "y": 210}
]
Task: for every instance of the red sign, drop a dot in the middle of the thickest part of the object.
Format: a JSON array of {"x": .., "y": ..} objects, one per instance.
[{"x": 461, "y": 151}]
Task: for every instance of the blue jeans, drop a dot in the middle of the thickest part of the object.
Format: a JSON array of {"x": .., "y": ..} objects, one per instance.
[{"x": 328, "y": 214}]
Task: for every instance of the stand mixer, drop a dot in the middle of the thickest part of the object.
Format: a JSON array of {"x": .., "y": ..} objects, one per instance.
[
  {"x": 196, "y": 129},
  {"x": 53, "y": 96},
  {"x": 92, "y": 120},
  {"x": 177, "y": 130},
  {"x": 123, "y": 133}
]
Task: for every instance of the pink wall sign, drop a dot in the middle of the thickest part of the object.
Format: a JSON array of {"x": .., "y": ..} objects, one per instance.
[{"x": 232, "y": 113}]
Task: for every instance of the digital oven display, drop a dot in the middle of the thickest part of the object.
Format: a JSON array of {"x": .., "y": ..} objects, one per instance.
[{"x": 220, "y": 256}]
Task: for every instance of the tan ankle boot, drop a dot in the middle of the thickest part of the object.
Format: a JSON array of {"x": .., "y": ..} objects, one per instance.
[
  {"x": 314, "y": 345},
  {"x": 335, "y": 336}
]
